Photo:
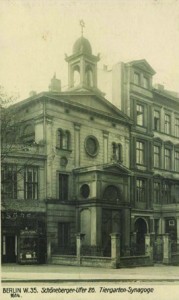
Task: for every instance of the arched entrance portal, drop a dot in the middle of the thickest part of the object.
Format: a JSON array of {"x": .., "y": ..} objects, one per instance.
[{"x": 141, "y": 230}]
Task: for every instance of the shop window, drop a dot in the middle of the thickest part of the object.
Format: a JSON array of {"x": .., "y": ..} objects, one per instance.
[
  {"x": 140, "y": 153},
  {"x": 167, "y": 124},
  {"x": 157, "y": 156},
  {"x": 156, "y": 192},
  {"x": 31, "y": 183},
  {"x": 140, "y": 115},
  {"x": 63, "y": 187},
  {"x": 156, "y": 120},
  {"x": 117, "y": 152},
  {"x": 63, "y": 139},
  {"x": 140, "y": 189},
  {"x": 9, "y": 181},
  {"x": 167, "y": 158},
  {"x": 177, "y": 127},
  {"x": 177, "y": 161}
]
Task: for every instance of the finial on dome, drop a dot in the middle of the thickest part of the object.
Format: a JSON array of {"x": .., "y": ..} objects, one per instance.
[{"x": 82, "y": 24}]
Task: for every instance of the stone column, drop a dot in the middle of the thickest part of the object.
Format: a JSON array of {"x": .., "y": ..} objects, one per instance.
[
  {"x": 77, "y": 144},
  {"x": 115, "y": 249},
  {"x": 148, "y": 247},
  {"x": 126, "y": 231},
  {"x": 79, "y": 238},
  {"x": 166, "y": 249}
]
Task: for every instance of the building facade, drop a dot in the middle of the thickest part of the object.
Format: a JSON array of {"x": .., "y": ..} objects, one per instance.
[
  {"x": 75, "y": 162},
  {"x": 153, "y": 149},
  {"x": 73, "y": 169}
]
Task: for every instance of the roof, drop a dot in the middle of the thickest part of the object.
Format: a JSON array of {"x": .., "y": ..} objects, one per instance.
[
  {"x": 82, "y": 45},
  {"x": 142, "y": 64}
]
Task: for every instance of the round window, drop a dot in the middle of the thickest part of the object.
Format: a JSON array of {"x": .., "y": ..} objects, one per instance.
[
  {"x": 111, "y": 193},
  {"x": 85, "y": 190},
  {"x": 91, "y": 145}
]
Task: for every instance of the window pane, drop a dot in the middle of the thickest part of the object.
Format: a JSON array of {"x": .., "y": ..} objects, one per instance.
[
  {"x": 146, "y": 82},
  {"x": 63, "y": 187},
  {"x": 140, "y": 189},
  {"x": 31, "y": 183},
  {"x": 156, "y": 156},
  {"x": 167, "y": 124},
  {"x": 167, "y": 159},
  {"x": 156, "y": 120},
  {"x": 140, "y": 115},
  {"x": 140, "y": 153},
  {"x": 137, "y": 78},
  {"x": 9, "y": 181},
  {"x": 156, "y": 192},
  {"x": 177, "y": 127},
  {"x": 176, "y": 160}
]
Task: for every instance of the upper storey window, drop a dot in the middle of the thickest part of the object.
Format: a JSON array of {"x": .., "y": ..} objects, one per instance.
[
  {"x": 145, "y": 82},
  {"x": 140, "y": 115},
  {"x": 167, "y": 124},
  {"x": 177, "y": 127},
  {"x": 31, "y": 183},
  {"x": 137, "y": 78},
  {"x": 28, "y": 134},
  {"x": 9, "y": 181},
  {"x": 140, "y": 153},
  {"x": 156, "y": 120},
  {"x": 63, "y": 139}
]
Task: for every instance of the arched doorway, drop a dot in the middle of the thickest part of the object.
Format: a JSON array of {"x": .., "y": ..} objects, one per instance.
[{"x": 141, "y": 230}]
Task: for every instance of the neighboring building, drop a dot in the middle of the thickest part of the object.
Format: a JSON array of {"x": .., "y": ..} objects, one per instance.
[
  {"x": 166, "y": 161},
  {"x": 154, "y": 149},
  {"x": 75, "y": 168}
]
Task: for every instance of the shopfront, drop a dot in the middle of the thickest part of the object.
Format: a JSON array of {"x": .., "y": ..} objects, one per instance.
[{"x": 23, "y": 237}]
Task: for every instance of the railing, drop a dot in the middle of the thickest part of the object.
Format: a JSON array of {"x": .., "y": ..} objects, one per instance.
[
  {"x": 137, "y": 249},
  {"x": 91, "y": 251},
  {"x": 174, "y": 247},
  {"x": 70, "y": 250}
]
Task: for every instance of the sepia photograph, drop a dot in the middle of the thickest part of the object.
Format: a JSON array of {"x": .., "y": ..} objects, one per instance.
[{"x": 89, "y": 107}]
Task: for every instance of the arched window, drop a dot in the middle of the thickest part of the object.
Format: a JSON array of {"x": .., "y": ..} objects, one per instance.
[
  {"x": 76, "y": 76},
  {"x": 59, "y": 138},
  {"x": 63, "y": 139},
  {"x": 89, "y": 76},
  {"x": 28, "y": 135}
]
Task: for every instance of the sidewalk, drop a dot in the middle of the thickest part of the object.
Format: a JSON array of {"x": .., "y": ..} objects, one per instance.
[{"x": 58, "y": 273}]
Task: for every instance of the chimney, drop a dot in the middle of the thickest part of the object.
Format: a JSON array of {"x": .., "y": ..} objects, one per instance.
[
  {"x": 159, "y": 87},
  {"x": 55, "y": 85}
]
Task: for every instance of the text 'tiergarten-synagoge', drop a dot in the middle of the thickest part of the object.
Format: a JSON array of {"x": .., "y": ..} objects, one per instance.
[{"x": 88, "y": 181}]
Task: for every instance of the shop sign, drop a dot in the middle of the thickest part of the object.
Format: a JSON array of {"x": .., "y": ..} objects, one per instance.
[{"x": 17, "y": 215}]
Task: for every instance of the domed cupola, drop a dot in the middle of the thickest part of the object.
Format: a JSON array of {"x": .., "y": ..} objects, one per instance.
[
  {"x": 82, "y": 45},
  {"x": 82, "y": 65}
]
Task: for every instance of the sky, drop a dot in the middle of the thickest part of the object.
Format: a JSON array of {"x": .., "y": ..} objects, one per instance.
[{"x": 36, "y": 34}]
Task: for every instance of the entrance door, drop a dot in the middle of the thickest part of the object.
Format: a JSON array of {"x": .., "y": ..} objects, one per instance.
[
  {"x": 141, "y": 230},
  {"x": 10, "y": 255}
]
